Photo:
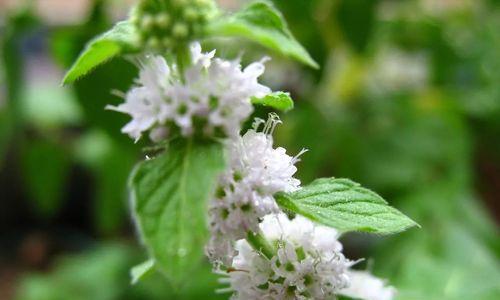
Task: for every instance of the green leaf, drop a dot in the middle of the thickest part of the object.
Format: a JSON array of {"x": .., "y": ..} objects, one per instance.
[
  {"x": 97, "y": 274},
  {"x": 169, "y": 195},
  {"x": 141, "y": 270},
  {"x": 346, "y": 206},
  {"x": 120, "y": 39},
  {"x": 261, "y": 22},
  {"x": 449, "y": 262},
  {"x": 93, "y": 92},
  {"x": 278, "y": 100}
]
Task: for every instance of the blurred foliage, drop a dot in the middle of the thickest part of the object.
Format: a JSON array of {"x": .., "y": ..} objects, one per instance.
[
  {"x": 56, "y": 129},
  {"x": 12, "y": 66},
  {"x": 46, "y": 168},
  {"x": 407, "y": 103},
  {"x": 95, "y": 91},
  {"x": 111, "y": 164},
  {"x": 103, "y": 274},
  {"x": 398, "y": 109}
]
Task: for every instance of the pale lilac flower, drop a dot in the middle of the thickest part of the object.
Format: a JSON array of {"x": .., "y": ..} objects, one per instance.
[
  {"x": 213, "y": 92},
  {"x": 256, "y": 172},
  {"x": 309, "y": 263}
]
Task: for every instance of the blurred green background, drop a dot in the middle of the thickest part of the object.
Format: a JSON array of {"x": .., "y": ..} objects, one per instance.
[{"x": 407, "y": 102}]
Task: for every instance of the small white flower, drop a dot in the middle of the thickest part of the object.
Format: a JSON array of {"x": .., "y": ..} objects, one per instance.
[
  {"x": 308, "y": 264},
  {"x": 368, "y": 287},
  {"x": 215, "y": 93},
  {"x": 256, "y": 172}
]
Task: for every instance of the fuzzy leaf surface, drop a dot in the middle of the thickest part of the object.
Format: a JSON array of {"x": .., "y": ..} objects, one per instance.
[
  {"x": 261, "y": 22},
  {"x": 345, "y": 206},
  {"x": 169, "y": 195},
  {"x": 118, "y": 40}
]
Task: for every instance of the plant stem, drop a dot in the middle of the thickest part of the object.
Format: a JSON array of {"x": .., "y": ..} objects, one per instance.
[
  {"x": 259, "y": 242},
  {"x": 183, "y": 56}
]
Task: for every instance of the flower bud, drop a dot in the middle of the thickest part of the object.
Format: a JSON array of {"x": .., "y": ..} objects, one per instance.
[
  {"x": 166, "y": 24},
  {"x": 147, "y": 22},
  {"x": 163, "y": 20},
  {"x": 180, "y": 3},
  {"x": 180, "y": 30},
  {"x": 190, "y": 14},
  {"x": 153, "y": 43},
  {"x": 167, "y": 43}
]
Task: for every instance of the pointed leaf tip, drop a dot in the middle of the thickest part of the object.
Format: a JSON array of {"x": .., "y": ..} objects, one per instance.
[
  {"x": 345, "y": 206},
  {"x": 262, "y": 23},
  {"x": 118, "y": 40}
]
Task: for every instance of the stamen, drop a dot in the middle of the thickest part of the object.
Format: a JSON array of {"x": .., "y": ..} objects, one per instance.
[
  {"x": 355, "y": 262},
  {"x": 138, "y": 61},
  {"x": 118, "y": 93},
  {"x": 272, "y": 121},
  {"x": 256, "y": 123},
  {"x": 224, "y": 290},
  {"x": 265, "y": 59},
  {"x": 296, "y": 158}
]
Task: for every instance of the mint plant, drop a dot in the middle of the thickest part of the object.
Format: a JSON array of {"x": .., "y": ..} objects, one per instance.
[{"x": 215, "y": 189}]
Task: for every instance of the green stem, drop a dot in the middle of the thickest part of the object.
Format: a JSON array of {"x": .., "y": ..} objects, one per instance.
[
  {"x": 183, "y": 59},
  {"x": 259, "y": 242}
]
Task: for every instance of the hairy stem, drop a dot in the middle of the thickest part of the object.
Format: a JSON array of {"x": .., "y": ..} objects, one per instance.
[
  {"x": 183, "y": 59},
  {"x": 259, "y": 242}
]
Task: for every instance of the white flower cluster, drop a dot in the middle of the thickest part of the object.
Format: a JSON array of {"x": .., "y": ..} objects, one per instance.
[
  {"x": 305, "y": 260},
  {"x": 256, "y": 172},
  {"x": 309, "y": 264},
  {"x": 212, "y": 96}
]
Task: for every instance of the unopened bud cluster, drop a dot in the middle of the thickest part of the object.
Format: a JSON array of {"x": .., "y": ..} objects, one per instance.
[{"x": 163, "y": 24}]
